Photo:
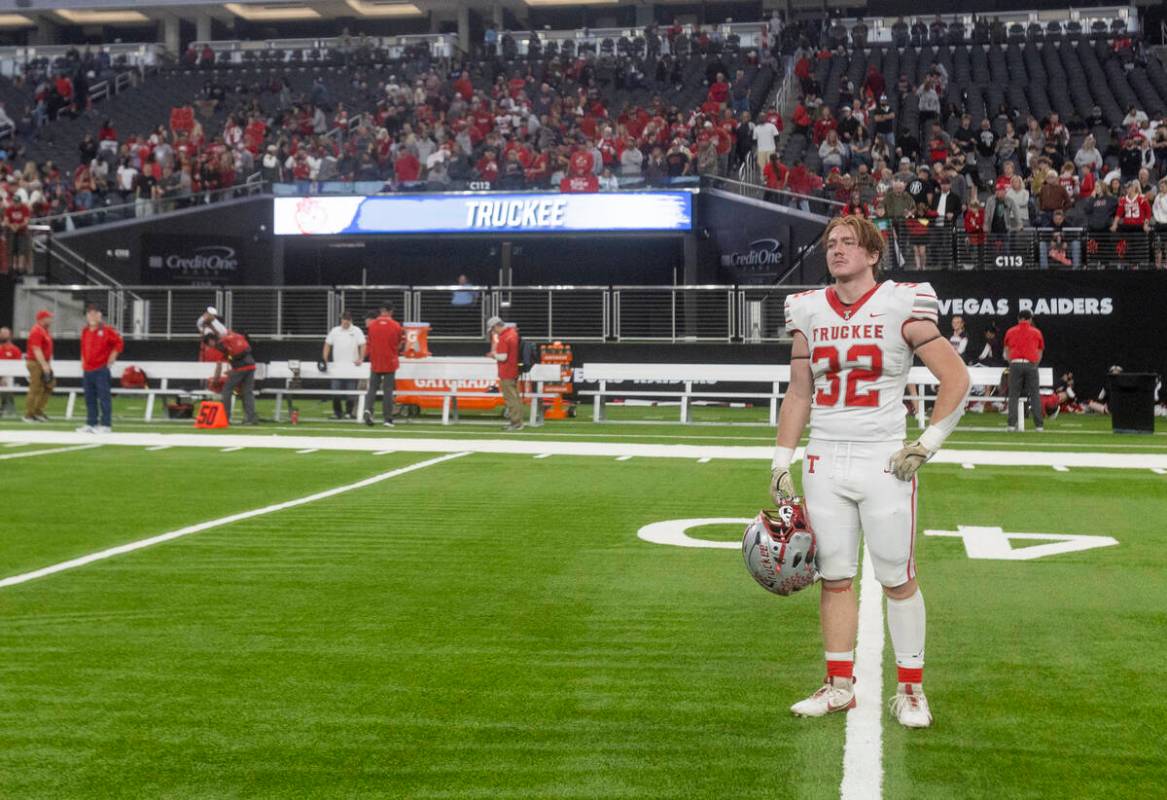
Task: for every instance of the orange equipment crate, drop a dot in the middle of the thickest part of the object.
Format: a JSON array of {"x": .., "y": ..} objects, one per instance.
[{"x": 558, "y": 353}]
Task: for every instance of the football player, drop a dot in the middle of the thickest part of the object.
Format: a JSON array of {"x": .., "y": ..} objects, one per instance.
[{"x": 854, "y": 343}]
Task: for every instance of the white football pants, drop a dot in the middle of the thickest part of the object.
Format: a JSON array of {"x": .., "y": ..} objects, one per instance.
[{"x": 848, "y": 489}]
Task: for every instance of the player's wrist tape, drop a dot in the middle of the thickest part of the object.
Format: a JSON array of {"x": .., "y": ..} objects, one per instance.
[{"x": 782, "y": 458}]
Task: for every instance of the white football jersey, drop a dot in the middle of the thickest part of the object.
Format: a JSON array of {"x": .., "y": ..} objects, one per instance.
[{"x": 859, "y": 357}]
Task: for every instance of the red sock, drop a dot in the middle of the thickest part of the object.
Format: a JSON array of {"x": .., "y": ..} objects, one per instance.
[
  {"x": 910, "y": 675},
  {"x": 840, "y": 669}
]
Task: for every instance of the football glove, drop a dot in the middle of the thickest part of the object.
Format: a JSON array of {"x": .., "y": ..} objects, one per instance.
[
  {"x": 47, "y": 375},
  {"x": 781, "y": 485},
  {"x": 909, "y": 459},
  {"x": 322, "y": 366}
]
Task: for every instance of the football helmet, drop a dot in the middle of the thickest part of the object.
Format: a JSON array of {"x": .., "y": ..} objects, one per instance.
[{"x": 779, "y": 548}]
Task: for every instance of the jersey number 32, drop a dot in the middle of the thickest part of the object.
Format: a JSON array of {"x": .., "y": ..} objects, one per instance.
[{"x": 856, "y": 375}]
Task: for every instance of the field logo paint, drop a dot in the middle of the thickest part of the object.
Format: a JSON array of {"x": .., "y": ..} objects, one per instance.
[
  {"x": 995, "y": 544},
  {"x": 673, "y": 532}
]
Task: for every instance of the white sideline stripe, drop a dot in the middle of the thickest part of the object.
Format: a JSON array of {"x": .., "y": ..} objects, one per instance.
[
  {"x": 157, "y": 448},
  {"x": 230, "y": 449},
  {"x": 623, "y": 458},
  {"x": 384, "y": 452},
  {"x": 534, "y": 447},
  {"x": 31, "y": 453},
  {"x": 216, "y": 523},
  {"x": 1061, "y": 468},
  {"x": 307, "y": 451},
  {"x": 967, "y": 465},
  {"x": 863, "y": 746},
  {"x": 1159, "y": 471},
  {"x": 704, "y": 460}
]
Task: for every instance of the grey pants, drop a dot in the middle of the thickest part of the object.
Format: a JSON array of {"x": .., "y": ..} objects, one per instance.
[
  {"x": 246, "y": 382},
  {"x": 1023, "y": 379},
  {"x": 375, "y": 380}
]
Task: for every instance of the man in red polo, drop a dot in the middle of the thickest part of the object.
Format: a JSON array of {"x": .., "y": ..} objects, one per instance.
[
  {"x": 385, "y": 341},
  {"x": 505, "y": 350},
  {"x": 8, "y": 352},
  {"x": 39, "y": 360},
  {"x": 1023, "y": 348},
  {"x": 100, "y": 347}
]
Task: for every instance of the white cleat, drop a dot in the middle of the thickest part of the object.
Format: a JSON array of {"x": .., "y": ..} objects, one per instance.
[
  {"x": 910, "y": 706},
  {"x": 87, "y": 429},
  {"x": 836, "y": 694},
  {"x": 103, "y": 429}
]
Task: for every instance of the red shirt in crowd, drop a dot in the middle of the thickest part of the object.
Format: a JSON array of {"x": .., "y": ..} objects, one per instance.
[
  {"x": 39, "y": 337},
  {"x": 408, "y": 168},
  {"x": 10, "y": 352},
  {"x": 1132, "y": 213},
  {"x": 508, "y": 343},
  {"x": 96, "y": 346},
  {"x": 17, "y": 216},
  {"x": 579, "y": 184},
  {"x": 1025, "y": 342},
  {"x": 385, "y": 336}
]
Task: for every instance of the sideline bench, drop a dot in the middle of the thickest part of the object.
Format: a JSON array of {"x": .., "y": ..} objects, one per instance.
[
  {"x": 458, "y": 373},
  {"x": 688, "y": 375},
  {"x": 159, "y": 374},
  {"x": 705, "y": 377}
]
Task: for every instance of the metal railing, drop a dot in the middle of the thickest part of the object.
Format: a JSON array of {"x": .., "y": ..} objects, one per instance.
[
  {"x": 454, "y": 313},
  {"x": 107, "y": 88},
  {"x": 941, "y": 247},
  {"x": 117, "y": 212}
]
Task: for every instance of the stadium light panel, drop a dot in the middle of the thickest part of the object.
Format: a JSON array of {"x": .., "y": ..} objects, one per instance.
[
  {"x": 367, "y": 9},
  {"x": 538, "y": 3},
  {"x": 94, "y": 17},
  {"x": 276, "y": 12}
]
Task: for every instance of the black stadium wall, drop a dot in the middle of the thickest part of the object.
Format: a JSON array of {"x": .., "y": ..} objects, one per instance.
[
  {"x": 226, "y": 243},
  {"x": 1090, "y": 320}
]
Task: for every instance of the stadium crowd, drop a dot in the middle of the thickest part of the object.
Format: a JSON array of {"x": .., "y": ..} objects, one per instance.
[
  {"x": 419, "y": 123},
  {"x": 1008, "y": 185},
  {"x": 935, "y": 182}
]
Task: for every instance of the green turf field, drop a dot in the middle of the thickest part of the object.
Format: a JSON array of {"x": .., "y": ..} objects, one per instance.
[{"x": 491, "y": 626}]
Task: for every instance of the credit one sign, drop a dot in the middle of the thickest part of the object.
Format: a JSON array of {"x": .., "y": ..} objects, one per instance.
[{"x": 484, "y": 213}]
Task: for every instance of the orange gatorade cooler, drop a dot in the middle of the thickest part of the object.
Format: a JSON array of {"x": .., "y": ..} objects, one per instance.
[{"x": 416, "y": 340}]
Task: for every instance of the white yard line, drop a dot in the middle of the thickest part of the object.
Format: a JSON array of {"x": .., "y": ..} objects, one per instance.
[
  {"x": 31, "y": 453},
  {"x": 623, "y": 458},
  {"x": 384, "y": 452},
  {"x": 1061, "y": 468},
  {"x": 1159, "y": 471},
  {"x": 230, "y": 449},
  {"x": 216, "y": 523},
  {"x": 966, "y": 465},
  {"x": 307, "y": 451},
  {"x": 15, "y": 444},
  {"x": 543, "y": 455},
  {"x": 863, "y": 748},
  {"x": 704, "y": 460},
  {"x": 158, "y": 447},
  {"x": 533, "y": 447}
]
